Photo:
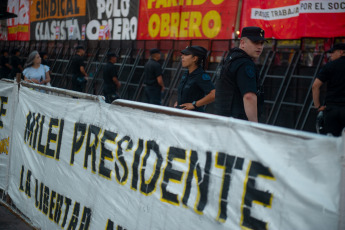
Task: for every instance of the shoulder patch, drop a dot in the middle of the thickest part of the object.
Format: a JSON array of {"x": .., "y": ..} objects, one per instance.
[
  {"x": 250, "y": 71},
  {"x": 206, "y": 77}
]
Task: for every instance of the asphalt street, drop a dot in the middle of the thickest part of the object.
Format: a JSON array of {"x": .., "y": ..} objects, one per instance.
[{"x": 9, "y": 221}]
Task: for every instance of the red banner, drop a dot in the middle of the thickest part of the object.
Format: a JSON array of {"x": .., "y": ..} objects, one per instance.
[
  {"x": 19, "y": 27},
  {"x": 291, "y": 19},
  {"x": 184, "y": 20}
]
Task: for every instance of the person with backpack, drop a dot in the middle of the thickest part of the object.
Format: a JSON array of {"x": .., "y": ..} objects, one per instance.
[
  {"x": 238, "y": 87},
  {"x": 196, "y": 88}
]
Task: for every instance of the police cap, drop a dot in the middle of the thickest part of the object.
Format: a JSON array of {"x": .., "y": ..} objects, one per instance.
[
  {"x": 154, "y": 50},
  {"x": 111, "y": 54},
  {"x": 253, "y": 33},
  {"x": 195, "y": 51},
  {"x": 79, "y": 48},
  {"x": 339, "y": 46}
]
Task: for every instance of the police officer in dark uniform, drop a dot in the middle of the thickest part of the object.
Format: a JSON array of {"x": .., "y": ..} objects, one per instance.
[
  {"x": 237, "y": 87},
  {"x": 111, "y": 82},
  {"x": 16, "y": 64},
  {"x": 154, "y": 78},
  {"x": 196, "y": 88},
  {"x": 334, "y": 74},
  {"x": 79, "y": 77},
  {"x": 5, "y": 67}
]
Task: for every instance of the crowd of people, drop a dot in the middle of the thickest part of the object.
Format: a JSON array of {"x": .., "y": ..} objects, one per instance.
[{"x": 237, "y": 92}]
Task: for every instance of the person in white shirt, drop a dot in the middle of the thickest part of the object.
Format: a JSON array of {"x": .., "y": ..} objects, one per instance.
[{"x": 34, "y": 71}]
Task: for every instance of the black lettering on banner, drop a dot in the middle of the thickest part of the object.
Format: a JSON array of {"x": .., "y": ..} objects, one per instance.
[
  {"x": 21, "y": 187},
  {"x": 149, "y": 186},
  {"x": 75, "y": 215},
  {"x": 52, "y": 204},
  {"x": 201, "y": 181},
  {"x": 37, "y": 203},
  {"x": 68, "y": 203},
  {"x": 226, "y": 162},
  {"x": 80, "y": 129},
  {"x": 52, "y": 137},
  {"x": 40, "y": 147},
  {"x": 45, "y": 200},
  {"x": 110, "y": 225},
  {"x": 252, "y": 194},
  {"x": 58, "y": 147},
  {"x": 28, "y": 184},
  {"x": 45, "y": 7},
  {"x": 121, "y": 158},
  {"x": 2, "y": 110},
  {"x": 136, "y": 163},
  {"x": 106, "y": 154},
  {"x": 41, "y": 196},
  {"x": 69, "y": 7},
  {"x": 91, "y": 147},
  {"x": 58, "y": 208},
  {"x": 38, "y": 9},
  {"x": 172, "y": 174},
  {"x": 52, "y": 7},
  {"x": 29, "y": 128},
  {"x": 86, "y": 218}
]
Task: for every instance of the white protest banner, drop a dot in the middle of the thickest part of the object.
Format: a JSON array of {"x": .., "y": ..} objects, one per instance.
[
  {"x": 78, "y": 164},
  {"x": 6, "y": 115}
]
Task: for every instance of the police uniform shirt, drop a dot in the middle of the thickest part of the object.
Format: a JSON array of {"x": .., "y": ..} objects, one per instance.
[
  {"x": 77, "y": 62},
  {"x": 109, "y": 72},
  {"x": 239, "y": 78},
  {"x": 334, "y": 74},
  {"x": 4, "y": 69},
  {"x": 152, "y": 70},
  {"x": 15, "y": 62},
  {"x": 246, "y": 76},
  {"x": 194, "y": 86}
]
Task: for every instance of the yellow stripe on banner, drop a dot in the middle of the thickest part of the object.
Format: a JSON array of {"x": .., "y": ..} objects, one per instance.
[
  {"x": 12, "y": 30},
  {"x": 23, "y": 28}
]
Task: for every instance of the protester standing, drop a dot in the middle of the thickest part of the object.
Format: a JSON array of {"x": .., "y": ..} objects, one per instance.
[
  {"x": 79, "y": 77},
  {"x": 34, "y": 71},
  {"x": 333, "y": 73},
  {"x": 154, "y": 78},
  {"x": 16, "y": 63},
  {"x": 5, "y": 67},
  {"x": 237, "y": 88},
  {"x": 110, "y": 77},
  {"x": 196, "y": 88}
]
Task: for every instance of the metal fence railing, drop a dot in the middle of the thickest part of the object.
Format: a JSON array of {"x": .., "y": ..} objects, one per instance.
[{"x": 287, "y": 67}]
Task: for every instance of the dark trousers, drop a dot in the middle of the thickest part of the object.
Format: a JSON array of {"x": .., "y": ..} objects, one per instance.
[
  {"x": 110, "y": 96},
  {"x": 334, "y": 119},
  {"x": 153, "y": 95},
  {"x": 78, "y": 83}
]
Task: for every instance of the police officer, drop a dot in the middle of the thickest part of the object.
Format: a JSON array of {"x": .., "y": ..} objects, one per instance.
[
  {"x": 196, "y": 88},
  {"x": 111, "y": 82},
  {"x": 5, "y": 67},
  {"x": 334, "y": 74},
  {"x": 237, "y": 86},
  {"x": 154, "y": 78},
  {"x": 79, "y": 77},
  {"x": 16, "y": 63}
]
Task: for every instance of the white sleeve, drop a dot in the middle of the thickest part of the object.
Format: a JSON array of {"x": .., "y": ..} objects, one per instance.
[
  {"x": 25, "y": 72},
  {"x": 46, "y": 68}
]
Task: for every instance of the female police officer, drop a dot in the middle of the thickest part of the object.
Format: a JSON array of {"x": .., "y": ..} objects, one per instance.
[{"x": 195, "y": 89}]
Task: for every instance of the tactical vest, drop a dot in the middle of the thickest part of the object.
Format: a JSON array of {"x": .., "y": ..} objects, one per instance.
[{"x": 229, "y": 101}]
